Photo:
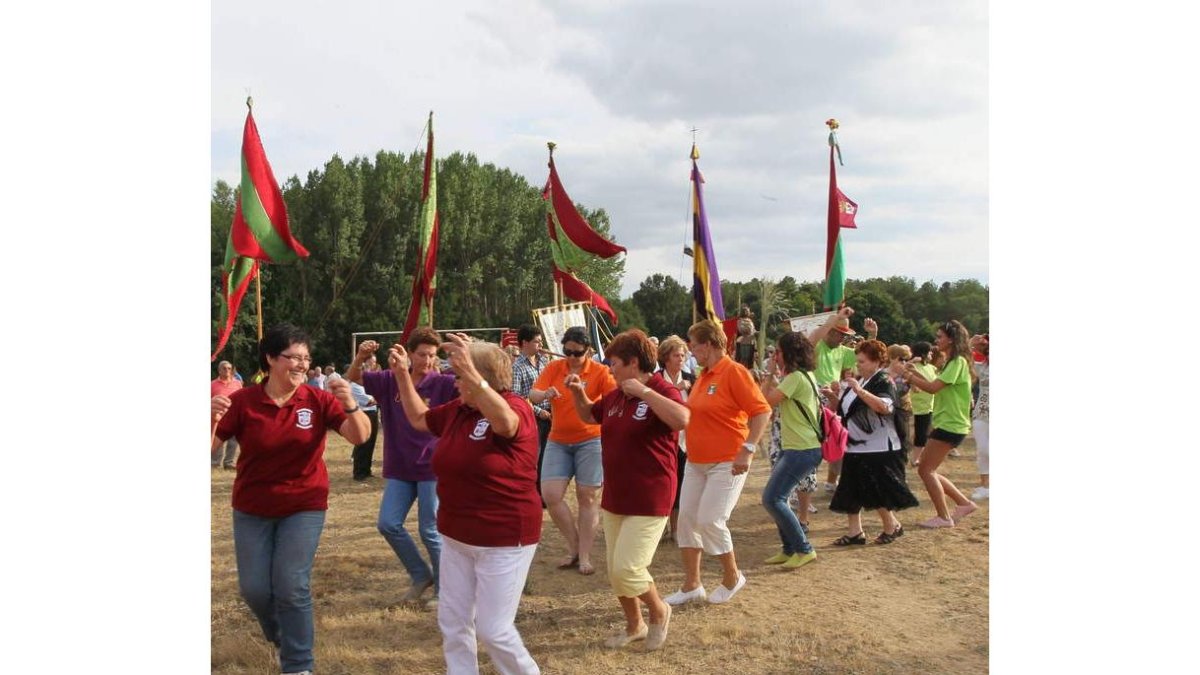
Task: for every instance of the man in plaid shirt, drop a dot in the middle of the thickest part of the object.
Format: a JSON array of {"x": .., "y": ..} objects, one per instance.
[{"x": 526, "y": 369}]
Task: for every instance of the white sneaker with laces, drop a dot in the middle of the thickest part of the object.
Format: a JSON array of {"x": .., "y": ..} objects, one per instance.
[
  {"x": 979, "y": 493},
  {"x": 721, "y": 595},
  {"x": 681, "y": 597}
]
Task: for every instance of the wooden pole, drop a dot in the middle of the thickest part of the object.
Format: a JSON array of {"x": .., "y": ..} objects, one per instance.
[{"x": 258, "y": 298}]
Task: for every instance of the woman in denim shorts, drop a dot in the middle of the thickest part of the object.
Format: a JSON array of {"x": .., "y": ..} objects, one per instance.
[{"x": 573, "y": 447}]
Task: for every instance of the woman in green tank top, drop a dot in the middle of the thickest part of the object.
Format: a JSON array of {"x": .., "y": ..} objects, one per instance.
[{"x": 951, "y": 421}]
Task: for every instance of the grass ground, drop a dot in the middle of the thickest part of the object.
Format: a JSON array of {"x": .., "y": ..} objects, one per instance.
[{"x": 919, "y": 605}]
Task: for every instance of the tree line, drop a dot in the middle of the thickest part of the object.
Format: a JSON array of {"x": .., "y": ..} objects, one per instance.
[{"x": 359, "y": 220}]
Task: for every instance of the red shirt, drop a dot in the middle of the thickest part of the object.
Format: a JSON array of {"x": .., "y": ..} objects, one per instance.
[
  {"x": 486, "y": 484},
  {"x": 639, "y": 453},
  {"x": 220, "y": 387},
  {"x": 280, "y": 468}
]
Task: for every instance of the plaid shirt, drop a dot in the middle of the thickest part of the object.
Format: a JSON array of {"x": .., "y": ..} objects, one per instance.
[{"x": 525, "y": 374}]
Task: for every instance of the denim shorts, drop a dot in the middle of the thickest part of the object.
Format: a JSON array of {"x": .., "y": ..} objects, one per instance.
[{"x": 581, "y": 461}]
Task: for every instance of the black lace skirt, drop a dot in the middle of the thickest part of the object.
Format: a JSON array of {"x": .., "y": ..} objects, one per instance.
[{"x": 872, "y": 480}]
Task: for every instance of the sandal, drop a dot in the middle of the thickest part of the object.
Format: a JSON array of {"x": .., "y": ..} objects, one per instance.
[
  {"x": 568, "y": 562},
  {"x": 859, "y": 539},
  {"x": 586, "y": 569},
  {"x": 889, "y": 537}
]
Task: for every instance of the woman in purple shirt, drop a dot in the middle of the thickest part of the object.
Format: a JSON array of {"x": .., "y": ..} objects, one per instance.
[{"x": 408, "y": 456}]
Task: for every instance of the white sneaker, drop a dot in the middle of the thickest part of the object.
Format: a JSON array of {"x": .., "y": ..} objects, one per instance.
[
  {"x": 722, "y": 595},
  {"x": 830, "y": 488},
  {"x": 812, "y": 508},
  {"x": 683, "y": 597},
  {"x": 979, "y": 493}
]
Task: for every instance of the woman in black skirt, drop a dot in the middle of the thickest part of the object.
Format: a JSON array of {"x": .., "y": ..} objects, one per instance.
[{"x": 873, "y": 468}]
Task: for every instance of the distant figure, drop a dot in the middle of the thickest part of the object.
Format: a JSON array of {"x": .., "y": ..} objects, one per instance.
[
  {"x": 314, "y": 378},
  {"x": 364, "y": 453},
  {"x": 330, "y": 375},
  {"x": 225, "y": 385},
  {"x": 745, "y": 349}
]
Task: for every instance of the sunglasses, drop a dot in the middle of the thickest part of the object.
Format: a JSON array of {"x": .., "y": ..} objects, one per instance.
[{"x": 572, "y": 352}]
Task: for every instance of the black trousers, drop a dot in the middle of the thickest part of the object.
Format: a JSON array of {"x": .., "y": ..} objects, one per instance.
[
  {"x": 364, "y": 453},
  {"x": 543, "y": 434}
]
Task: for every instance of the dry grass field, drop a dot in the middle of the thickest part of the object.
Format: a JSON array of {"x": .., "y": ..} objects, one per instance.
[{"x": 919, "y": 605}]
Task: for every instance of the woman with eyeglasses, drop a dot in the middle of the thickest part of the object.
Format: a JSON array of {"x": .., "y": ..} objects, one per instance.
[
  {"x": 951, "y": 421},
  {"x": 281, "y": 491},
  {"x": 898, "y": 356},
  {"x": 573, "y": 447},
  {"x": 489, "y": 513}
]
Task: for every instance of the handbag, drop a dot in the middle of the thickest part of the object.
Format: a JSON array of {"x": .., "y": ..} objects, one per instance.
[{"x": 830, "y": 432}]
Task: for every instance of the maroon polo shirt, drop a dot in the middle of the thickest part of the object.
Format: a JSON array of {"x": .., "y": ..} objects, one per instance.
[
  {"x": 640, "y": 453},
  {"x": 486, "y": 484},
  {"x": 280, "y": 468}
]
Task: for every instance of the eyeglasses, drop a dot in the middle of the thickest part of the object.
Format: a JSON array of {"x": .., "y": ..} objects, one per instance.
[
  {"x": 297, "y": 359},
  {"x": 572, "y": 352}
]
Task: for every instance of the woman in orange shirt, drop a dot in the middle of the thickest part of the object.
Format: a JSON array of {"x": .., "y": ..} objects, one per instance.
[
  {"x": 728, "y": 416},
  {"x": 573, "y": 448}
]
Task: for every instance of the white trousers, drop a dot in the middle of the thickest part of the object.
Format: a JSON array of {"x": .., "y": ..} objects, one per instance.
[
  {"x": 706, "y": 500},
  {"x": 480, "y": 590},
  {"x": 981, "y": 445}
]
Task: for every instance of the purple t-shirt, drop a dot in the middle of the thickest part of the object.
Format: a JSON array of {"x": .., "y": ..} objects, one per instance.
[{"x": 407, "y": 453}]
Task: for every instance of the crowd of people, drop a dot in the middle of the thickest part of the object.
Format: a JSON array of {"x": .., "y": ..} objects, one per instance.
[{"x": 658, "y": 436}]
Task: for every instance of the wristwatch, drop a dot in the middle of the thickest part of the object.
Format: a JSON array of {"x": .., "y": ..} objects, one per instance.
[{"x": 749, "y": 447}]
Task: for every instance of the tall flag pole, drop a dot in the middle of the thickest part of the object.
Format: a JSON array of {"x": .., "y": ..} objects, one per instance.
[
  {"x": 260, "y": 230},
  {"x": 840, "y": 215},
  {"x": 707, "y": 302},
  {"x": 425, "y": 276},
  {"x": 571, "y": 237}
]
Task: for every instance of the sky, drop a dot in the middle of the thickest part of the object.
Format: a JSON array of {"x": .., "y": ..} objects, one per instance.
[{"x": 619, "y": 86}]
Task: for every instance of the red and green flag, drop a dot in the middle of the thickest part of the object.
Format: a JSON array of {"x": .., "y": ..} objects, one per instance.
[
  {"x": 260, "y": 221},
  {"x": 571, "y": 240},
  {"x": 420, "y": 310},
  {"x": 259, "y": 231},
  {"x": 841, "y": 214}
]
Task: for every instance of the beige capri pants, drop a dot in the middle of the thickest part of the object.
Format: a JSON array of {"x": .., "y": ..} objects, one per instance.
[{"x": 631, "y": 542}]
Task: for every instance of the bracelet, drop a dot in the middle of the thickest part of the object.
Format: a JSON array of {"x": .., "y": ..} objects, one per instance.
[{"x": 351, "y": 411}]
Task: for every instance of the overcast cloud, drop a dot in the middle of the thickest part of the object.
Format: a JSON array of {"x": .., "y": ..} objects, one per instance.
[{"x": 618, "y": 85}]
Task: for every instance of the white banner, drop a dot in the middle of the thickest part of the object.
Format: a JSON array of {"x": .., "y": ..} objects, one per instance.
[
  {"x": 555, "y": 321},
  {"x": 806, "y": 324}
]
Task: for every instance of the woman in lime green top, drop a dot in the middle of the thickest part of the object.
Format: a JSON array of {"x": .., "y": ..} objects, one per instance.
[{"x": 951, "y": 421}]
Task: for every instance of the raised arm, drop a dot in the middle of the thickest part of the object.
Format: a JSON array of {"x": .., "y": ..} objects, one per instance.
[
  {"x": 821, "y": 331},
  {"x": 916, "y": 379},
  {"x": 365, "y": 350},
  {"x": 491, "y": 404},
  {"x": 357, "y": 427},
  {"x": 414, "y": 407}
]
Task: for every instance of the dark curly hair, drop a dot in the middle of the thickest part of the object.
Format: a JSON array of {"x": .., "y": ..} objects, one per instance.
[{"x": 797, "y": 352}]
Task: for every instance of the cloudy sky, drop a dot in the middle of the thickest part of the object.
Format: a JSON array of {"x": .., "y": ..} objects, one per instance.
[{"x": 619, "y": 85}]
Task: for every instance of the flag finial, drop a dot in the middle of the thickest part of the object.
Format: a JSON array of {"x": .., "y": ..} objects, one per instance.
[
  {"x": 249, "y": 103},
  {"x": 833, "y": 125},
  {"x": 695, "y": 151},
  {"x": 552, "y": 145}
]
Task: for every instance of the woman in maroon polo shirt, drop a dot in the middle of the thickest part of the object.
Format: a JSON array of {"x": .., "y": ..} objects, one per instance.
[
  {"x": 282, "y": 487},
  {"x": 489, "y": 511},
  {"x": 639, "y": 428}
]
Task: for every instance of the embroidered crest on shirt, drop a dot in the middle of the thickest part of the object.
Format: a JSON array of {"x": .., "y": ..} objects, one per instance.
[
  {"x": 304, "y": 418},
  {"x": 712, "y": 389},
  {"x": 480, "y": 431},
  {"x": 640, "y": 413}
]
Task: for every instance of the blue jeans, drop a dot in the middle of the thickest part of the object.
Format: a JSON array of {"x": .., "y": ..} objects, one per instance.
[
  {"x": 398, "y": 498},
  {"x": 789, "y": 469},
  {"x": 274, "y": 564}
]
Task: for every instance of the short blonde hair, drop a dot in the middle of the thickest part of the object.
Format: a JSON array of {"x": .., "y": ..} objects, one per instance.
[
  {"x": 669, "y": 346},
  {"x": 709, "y": 333},
  {"x": 899, "y": 351},
  {"x": 493, "y": 363}
]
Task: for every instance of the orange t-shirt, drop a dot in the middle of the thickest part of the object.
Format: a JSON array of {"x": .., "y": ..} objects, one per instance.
[
  {"x": 723, "y": 398},
  {"x": 565, "y": 425}
]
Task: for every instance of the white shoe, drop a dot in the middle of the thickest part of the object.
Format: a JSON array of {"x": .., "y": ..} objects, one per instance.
[
  {"x": 683, "y": 597},
  {"x": 812, "y": 508},
  {"x": 979, "y": 493},
  {"x": 721, "y": 595},
  {"x": 830, "y": 488},
  {"x": 302, "y": 672}
]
